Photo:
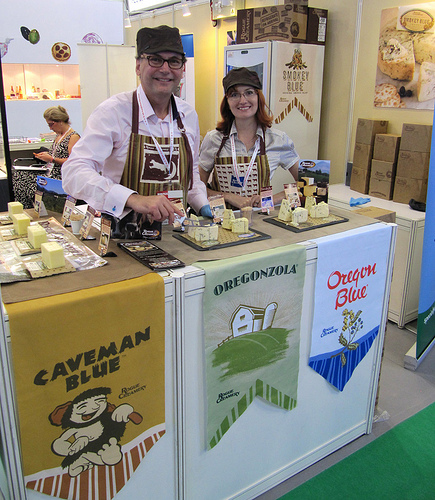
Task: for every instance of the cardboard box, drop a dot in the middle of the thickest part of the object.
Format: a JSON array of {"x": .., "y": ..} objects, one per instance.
[
  {"x": 405, "y": 189},
  {"x": 362, "y": 156},
  {"x": 366, "y": 130},
  {"x": 416, "y": 137},
  {"x": 377, "y": 213},
  {"x": 413, "y": 164},
  {"x": 386, "y": 147},
  {"x": 316, "y": 26},
  {"x": 381, "y": 188},
  {"x": 359, "y": 180},
  {"x": 287, "y": 23},
  {"x": 383, "y": 171}
]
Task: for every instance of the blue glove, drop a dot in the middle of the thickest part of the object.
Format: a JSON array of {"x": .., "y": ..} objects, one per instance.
[
  {"x": 206, "y": 211},
  {"x": 358, "y": 201}
]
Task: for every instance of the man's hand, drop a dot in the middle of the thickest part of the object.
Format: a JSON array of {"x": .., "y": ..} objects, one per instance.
[{"x": 157, "y": 208}]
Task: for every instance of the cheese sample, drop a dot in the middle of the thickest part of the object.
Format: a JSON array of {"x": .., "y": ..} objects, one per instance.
[
  {"x": 206, "y": 233},
  {"x": 191, "y": 229},
  {"x": 285, "y": 211},
  {"x": 36, "y": 235},
  {"x": 396, "y": 59},
  {"x": 228, "y": 219},
  {"x": 21, "y": 223},
  {"x": 15, "y": 207},
  {"x": 310, "y": 201},
  {"x": 240, "y": 225},
  {"x": 426, "y": 82},
  {"x": 299, "y": 215},
  {"x": 319, "y": 211},
  {"x": 52, "y": 255}
]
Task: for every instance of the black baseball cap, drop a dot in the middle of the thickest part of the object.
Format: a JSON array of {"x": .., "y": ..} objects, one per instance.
[
  {"x": 160, "y": 39},
  {"x": 241, "y": 76}
]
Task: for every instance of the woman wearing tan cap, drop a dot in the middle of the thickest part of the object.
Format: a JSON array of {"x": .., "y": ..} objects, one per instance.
[{"x": 244, "y": 150}]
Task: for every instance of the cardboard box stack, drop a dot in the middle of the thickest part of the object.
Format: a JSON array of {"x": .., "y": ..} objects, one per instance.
[
  {"x": 366, "y": 131},
  {"x": 413, "y": 163},
  {"x": 383, "y": 167}
]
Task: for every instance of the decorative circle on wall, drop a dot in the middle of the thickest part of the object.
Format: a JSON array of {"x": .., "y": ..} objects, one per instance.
[
  {"x": 92, "y": 38},
  {"x": 61, "y": 51}
]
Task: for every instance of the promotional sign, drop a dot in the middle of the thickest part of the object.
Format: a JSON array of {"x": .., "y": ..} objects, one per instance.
[
  {"x": 90, "y": 384},
  {"x": 349, "y": 299},
  {"x": 252, "y": 313},
  {"x": 296, "y": 93},
  {"x": 426, "y": 304},
  {"x": 405, "y": 69}
]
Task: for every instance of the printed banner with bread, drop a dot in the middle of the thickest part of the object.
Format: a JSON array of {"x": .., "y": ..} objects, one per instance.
[
  {"x": 405, "y": 75},
  {"x": 90, "y": 382},
  {"x": 252, "y": 314}
]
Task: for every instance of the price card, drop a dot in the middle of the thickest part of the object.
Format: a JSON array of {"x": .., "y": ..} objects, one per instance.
[
  {"x": 67, "y": 210},
  {"x": 87, "y": 223}
]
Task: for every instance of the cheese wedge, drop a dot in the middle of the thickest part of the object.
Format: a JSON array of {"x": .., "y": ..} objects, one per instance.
[
  {"x": 36, "y": 235},
  {"x": 319, "y": 211},
  {"x": 285, "y": 211},
  {"x": 299, "y": 215},
  {"x": 240, "y": 226},
  {"x": 21, "y": 223},
  {"x": 206, "y": 233},
  {"x": 52, "y": 255},
  {"x": 228, "y": 219},
  {"x": 310, "y": 201}
]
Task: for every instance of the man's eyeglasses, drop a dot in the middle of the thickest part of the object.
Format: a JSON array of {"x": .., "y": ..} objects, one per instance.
[
  {"x": 247, "y": 94},
  {"x": 157, "y": 61}
]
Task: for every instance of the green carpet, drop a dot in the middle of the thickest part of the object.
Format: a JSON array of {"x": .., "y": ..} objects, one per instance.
[{"x": 399, "y": 465}]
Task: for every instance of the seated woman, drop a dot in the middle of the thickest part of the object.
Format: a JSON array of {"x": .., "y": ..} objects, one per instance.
[
  {"x": 24, "y": 181},
  {"x": 244, "y": 150}
]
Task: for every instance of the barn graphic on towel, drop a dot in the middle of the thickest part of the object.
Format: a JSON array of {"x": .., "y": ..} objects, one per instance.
[{"x": 249, "y": 319}]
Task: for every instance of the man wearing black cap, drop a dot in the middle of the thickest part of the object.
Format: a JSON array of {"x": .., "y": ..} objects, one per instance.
[{"x": 139, "y": 143}]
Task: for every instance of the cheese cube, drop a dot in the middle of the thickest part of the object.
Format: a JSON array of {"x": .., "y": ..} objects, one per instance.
[
  {"x": 52, "y": 255},
  {"x": 228, "y": 218},
  {"x": 21, "y": 223},
  {"x": 36, "y": 235},
  {"x": 299, "y": 215},
  {"x": 15, "y": 207},
  {"x": 240, "y": 225},
  {"x": 319, "y": 211},
  {"x": 285, "y": 211}
]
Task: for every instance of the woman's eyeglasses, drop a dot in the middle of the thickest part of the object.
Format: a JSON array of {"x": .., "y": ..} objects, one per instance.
[
  {"x": 247, "y": 94},
  {"x": 157, "y": 61}
]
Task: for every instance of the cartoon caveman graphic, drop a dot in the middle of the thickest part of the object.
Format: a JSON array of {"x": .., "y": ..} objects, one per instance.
[{"x": 94, "y": 428}]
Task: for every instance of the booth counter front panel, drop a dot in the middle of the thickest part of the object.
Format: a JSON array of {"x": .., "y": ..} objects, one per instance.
[{"x": 267, "y": 444}]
